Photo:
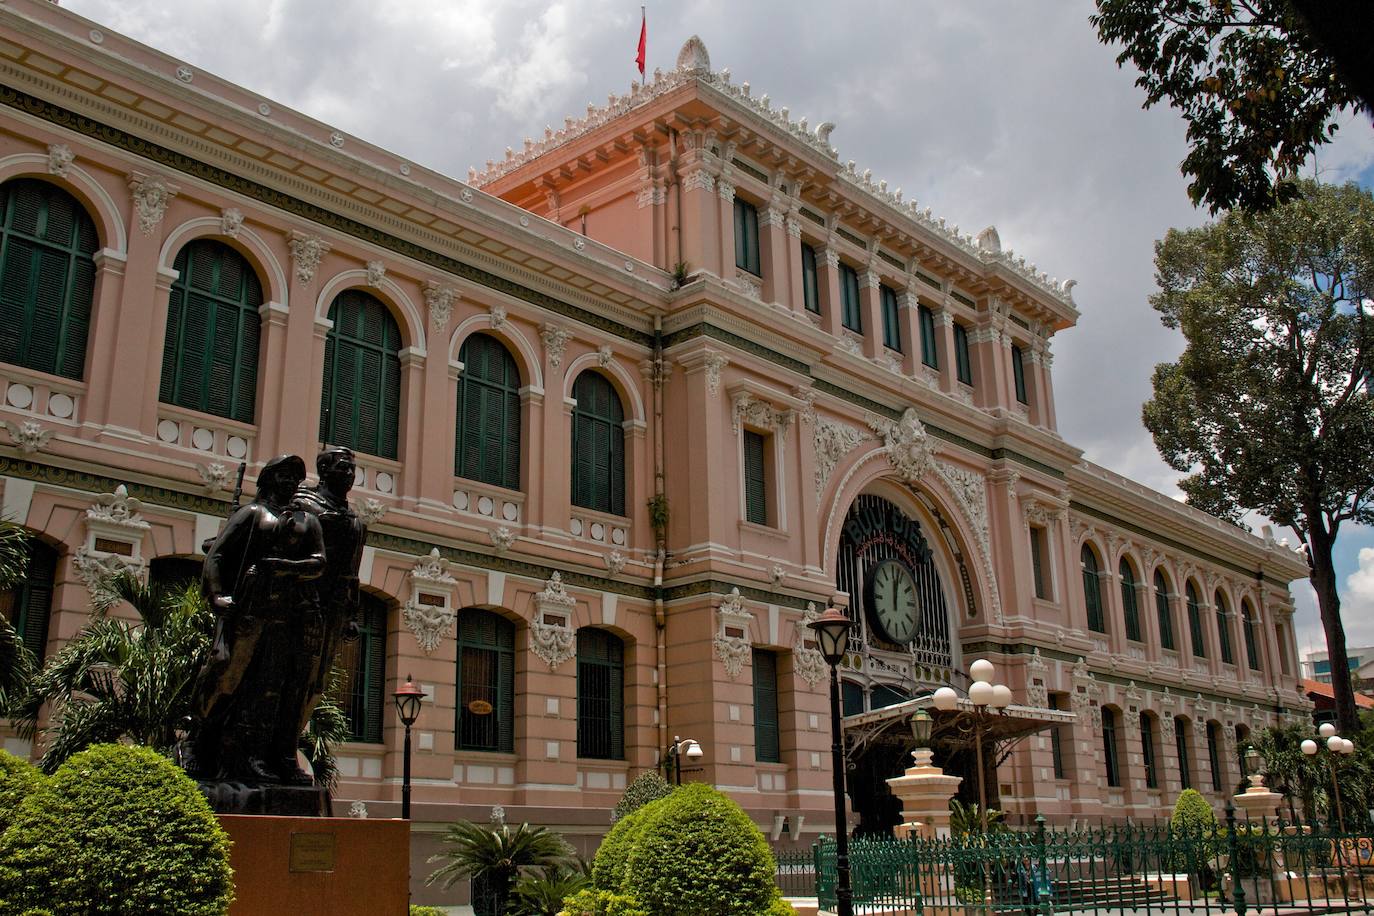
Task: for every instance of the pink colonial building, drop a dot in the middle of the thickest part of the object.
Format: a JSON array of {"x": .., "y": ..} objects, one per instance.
[{"x": 629, "y": 405}]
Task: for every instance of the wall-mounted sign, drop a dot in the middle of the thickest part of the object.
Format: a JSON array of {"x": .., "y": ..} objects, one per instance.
[{"x": 479, "y": 708}]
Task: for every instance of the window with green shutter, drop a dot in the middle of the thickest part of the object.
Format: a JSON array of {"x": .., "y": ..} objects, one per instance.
[
  {"x": 892, "y": 330},
  {"x": 1195, "y": 622},
  {"x": 1247, "y": 614},
  {"x": 962, "y": 364},
  {"x": 363, "y": 662},
  {"x": 1147, "y": 751},
  {"x": 1111, "y": 747},
  {"x": 28, "y": 605},
  {"x": 210, "y": 351},
  {"x": 1166, "y": 617},
  {"x": 47, "y": 278},
  {"x": 811, "y": 287},
  {"x": 598, "y": 445},
  {"x": 747, "y": 237},
  {"x": 600, "y": 695},
  {"x": 488, "y": 427},
  {"x": 1214, "y": 754},
  {"x": 1224, "y": 629},
  {"x": 1129, "y": 599},
  {"x": 486, "y": 682},
  {"x": 1018, "y": 374},
  {"x": 755, "y": 478},
  {"x": 767, "y": 739},
  {"x": 361, "y": 399},
  {"x": 1058, "y": 701},
  {"x": 851, "y": 312},
  {"x": 1038, "y": 571},
  {"x": 930, "y": 356},
  {"x": 1185, "y": 765},
  {"x": 1092, "y": 590}
]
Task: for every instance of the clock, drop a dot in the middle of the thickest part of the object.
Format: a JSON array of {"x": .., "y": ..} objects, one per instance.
[{"x": 892, "y": 601}]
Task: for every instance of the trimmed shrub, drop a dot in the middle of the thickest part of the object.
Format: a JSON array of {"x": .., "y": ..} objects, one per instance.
[
  {"x": 613, "y": 855},
  {"x": 117, "y": 830},
  {"x": 1192, "y": 814},
  {"x": 591, "y": 902},
  {"x": 18, "y": 780},
  {"x": 699, "y": 854},
  {"x": 647, "y": 787},
  {"x": 426, "y": 911}
]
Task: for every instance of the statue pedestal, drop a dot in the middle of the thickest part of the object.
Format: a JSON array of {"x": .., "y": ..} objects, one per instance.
[
  {"x": 924, "y": 791},
  {"x": 318, "y": 866},
  {"x": 283, "y": 801}
]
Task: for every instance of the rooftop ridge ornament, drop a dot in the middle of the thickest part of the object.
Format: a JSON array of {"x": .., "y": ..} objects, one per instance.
[{"x": 694, "y": 56}]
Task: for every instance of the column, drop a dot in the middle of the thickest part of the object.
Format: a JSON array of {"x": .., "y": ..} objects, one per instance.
[
  {"x": 797, "y": 296},
  {"x": 909, "y": 322},
  {"x": 699, "y": 219},
  {"x": 829, "y": 283},
  {"x": 105, "y": 309},
  {"x": 272, "y": 368},
  {"x": 944, "y": 348},
  {"x": 870, "y": 305},
  {"x": 410, "y": 449},
  {"x": 991, "y": 367},
  {"x": 774, "y": 257},
  {"x": 725, "y": 227}
]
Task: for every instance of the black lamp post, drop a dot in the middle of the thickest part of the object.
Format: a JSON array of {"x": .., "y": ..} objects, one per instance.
[
  {"x": 832, "y": 636},
  {"x": 408, "y": 697},
  {"x": 680, "y": 747}
]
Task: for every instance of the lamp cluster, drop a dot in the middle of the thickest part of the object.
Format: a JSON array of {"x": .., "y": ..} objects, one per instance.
[
  {"x": 1334, "y": 742},
  {"x": 981, "y": 693}
]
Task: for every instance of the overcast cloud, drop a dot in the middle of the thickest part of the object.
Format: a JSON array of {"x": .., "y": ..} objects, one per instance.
[{"x": 1001, "y": 113}]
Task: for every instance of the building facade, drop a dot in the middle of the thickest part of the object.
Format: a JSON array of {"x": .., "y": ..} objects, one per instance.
[{"x": 630, "y": 406}]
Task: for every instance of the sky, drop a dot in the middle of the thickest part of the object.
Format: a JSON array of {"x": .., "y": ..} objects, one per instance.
[{"x": 991, "y": 113}]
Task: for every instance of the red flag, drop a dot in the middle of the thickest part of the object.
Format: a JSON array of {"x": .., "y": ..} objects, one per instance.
[{"x": 643, "y": 36}]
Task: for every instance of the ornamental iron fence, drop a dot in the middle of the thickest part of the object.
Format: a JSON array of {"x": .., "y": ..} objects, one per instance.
[{"x": 1241, "y": 866}]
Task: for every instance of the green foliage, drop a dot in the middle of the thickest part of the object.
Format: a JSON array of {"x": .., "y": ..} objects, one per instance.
[
  {"x": 542, "y": 893},
  {"x": 17, "y": 664},
  {"x": 658, "y": 517},
  {"x": 680, "y": 274},
  {"x": 1192, "y": 815},
  {"x": 699, "y": 854},
  {"x": 966, "y": 819},
  {"x": 116, "y": 830},
  {"x": 18, "y": 780},
  {"x": 613, "y": 855},
  {"x": 1269, "y": 407},
  {"x": 426, "y": 911},
  {"x": 1257, "y": 92},
  {"x": 327, "y": 728},
  {"x": 646, "y": 787},
  {"x": 593, "y": 902},
  {"x": 497, "y": 855},
  {"x": 118, "y": 680}
]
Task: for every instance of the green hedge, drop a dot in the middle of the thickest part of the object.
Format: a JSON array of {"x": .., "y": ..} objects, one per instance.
[
  {"x": 647, "y": 787},
  {"x": 18, "y": 780},
  {"x": 613, "y": 855},
  {"x": 426, "y": 911},
  {"x": 594, "y": 902},
  {"x": 116, "y": 830}
]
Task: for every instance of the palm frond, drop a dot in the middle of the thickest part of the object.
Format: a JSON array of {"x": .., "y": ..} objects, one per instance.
[
  {"x": 14, "y": 553},
  {"x": 327, "y": 728}
]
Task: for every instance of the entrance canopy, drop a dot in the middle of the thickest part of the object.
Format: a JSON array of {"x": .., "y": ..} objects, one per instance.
[{"x": 892, "y": 725}]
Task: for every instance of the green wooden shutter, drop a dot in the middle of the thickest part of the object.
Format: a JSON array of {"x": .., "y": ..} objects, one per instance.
[
  {"x": 1038, "y": 561},
  {"x": 767, "y": 742},
  {"x": 28, "y": 605},
  {"x": 360, "y": 401},
  {"x": 505, "y": 686},
  {"x": 1223, "y": 629},
  {"x": 1195, "y": 622},
  {"x": 598, "y": 445},
  {"x": 1251, "y": 648},
  {"x": 851, "y": 312},
  {"x": 755, "y": 479},
  {"x": 1214, "y": 756},
  {"x": 488, "y": 444},
  {"x": 47, "y": 278},
  {"x": 746, "y": 236},
  {"x": 1018, "y": 374},
  {"x": 892, "y": 332},
  {"x": 1166, "y": 619},
  {"x": 486, "y": 672},
  {"x": 961, "y": 356},
  {"x": 1129, "y": 599},
  {"x": 365, "y": 660},
  {"x": 1092, "y": 590},
  {"x": 811, "y": 298},
  {"x": 929, "y": 353},
  {"x": 1185, "y": 770},
  {"x": 1147, "y": 752},
  {"x": 600, "y": 695}
]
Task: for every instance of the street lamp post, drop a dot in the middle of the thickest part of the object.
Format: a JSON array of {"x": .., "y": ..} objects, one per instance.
[
  {"x": 832, "y": 638},
  {"x": 680, "y": 747},
  {"x": 1335, "y": 746},
  {"x": 983, "y": 695},
  {"x": 408, "y": 697}
]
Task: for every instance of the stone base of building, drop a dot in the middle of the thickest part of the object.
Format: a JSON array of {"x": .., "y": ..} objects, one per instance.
[{"x": 318, "y": 866}]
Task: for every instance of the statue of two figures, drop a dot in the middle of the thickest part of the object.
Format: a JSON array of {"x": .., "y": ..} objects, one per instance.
[{"x": 282, "y": 579}]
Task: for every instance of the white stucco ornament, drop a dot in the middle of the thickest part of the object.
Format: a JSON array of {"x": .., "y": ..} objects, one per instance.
[
  {"x": 306, "y": 252},
  {"x": 807, "y": 660},
  {"x": 429, "y": 622},
  {"x": 29, "y": 436},
  {"x": 732, "y": 643},
  {"x": 98, "y": 570},
  {"x": 551, "y": 630},
  {"x": 118, "y": 508},
  {"x": 693, "y": 56},
  {"x": 60, "y": 159},
  {"x": 215, "y": 476},
  {"x": 230, "y": 222},
  {"x": 555, "y": 341},
  {"x": 370, "y": 510},
  {"x": 439, "y": 301},
  {"x": 429, "y": 612},
  {"x": 376, "y": 273},
  {"x": 909, "y": 448},
  {"x": 832, "y": 442},
  {"x": 151, "y": 194}
]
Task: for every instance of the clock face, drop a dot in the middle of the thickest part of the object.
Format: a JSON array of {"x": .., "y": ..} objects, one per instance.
[{"x": 892, "y": 600}]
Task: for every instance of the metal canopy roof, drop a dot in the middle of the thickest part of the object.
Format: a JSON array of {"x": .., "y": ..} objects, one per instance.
[{"x": 892, "y": 724}]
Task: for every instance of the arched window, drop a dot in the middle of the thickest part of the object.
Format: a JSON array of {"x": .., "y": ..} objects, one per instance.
[
  {"x": 1224, "y": 629},
  {"x": 486, "y": 682},
  {"x": 600, "y": 695},
  {"x": 1166, "y": 617},
  {"x": 1185, "y": 763},
  {"x": 598, "y": 445},
  {"x": 1242, "y": 745},
  {"x": 47, "y": 278},
  {"x": 361, "y": 399},
  {"x": 488, "y": 438},
  {"x": 767, "y": 730},
  {"x": 1092, "y": 590},
  {"x": 853, "y": 697},
  {"x": 364, "y": 664},
  {"x": 210, "y": 353},
  {"x": 1247, "y": 614},
  {"x": 1148, "y": 753},
  {"x": 28, "y": 605},
  {"x": 1214, "y": 754},
  {"x": 1129, "y": 600},
  {"x": 175, "y": 572},
  {"x": 1195, "y": 622},
  {"x": 1111, "y": 747}
]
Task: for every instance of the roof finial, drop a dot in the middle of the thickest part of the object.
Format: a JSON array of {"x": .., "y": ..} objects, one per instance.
[{"x": 693, "y": 56}]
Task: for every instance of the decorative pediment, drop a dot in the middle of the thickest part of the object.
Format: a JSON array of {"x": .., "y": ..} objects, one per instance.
[
  {"x": 747, "y": 408},
  {"x": 807, "y": 660},
  {"x": 909, "y": 448},
  {"x": 429, "y": 612},
  {"x": 1041, "y": 510}
]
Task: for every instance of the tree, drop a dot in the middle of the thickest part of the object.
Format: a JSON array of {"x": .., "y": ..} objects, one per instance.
[
  {"x": 1269, "y": 405},
  {"x": 17, "y": 664},
  {"x": 1260, "y": 84}
]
